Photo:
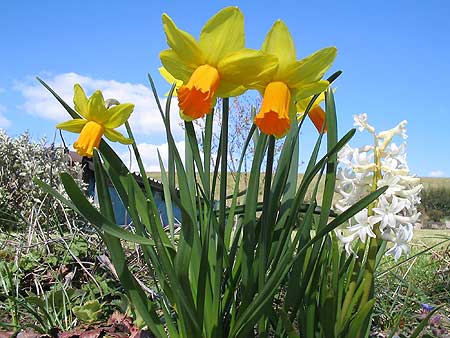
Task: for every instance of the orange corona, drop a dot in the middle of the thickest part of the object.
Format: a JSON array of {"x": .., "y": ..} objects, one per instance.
[
  {"x": 273, "y": 117},
  {"x": 195, "y": 98},
  {"x": 89, "y": 139}
]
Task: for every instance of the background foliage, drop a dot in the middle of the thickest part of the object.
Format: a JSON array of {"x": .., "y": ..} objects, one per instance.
[{"x": 21, "y": 201}]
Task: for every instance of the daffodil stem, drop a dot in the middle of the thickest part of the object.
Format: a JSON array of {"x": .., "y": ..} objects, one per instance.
[
  {"x": 265, "y": 227},
  {"x": 222, "y": 205}
]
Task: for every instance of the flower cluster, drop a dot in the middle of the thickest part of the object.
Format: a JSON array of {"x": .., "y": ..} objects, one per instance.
[
  {"x": 365, "y": 169},
  {"x": 219, "y": 65}
]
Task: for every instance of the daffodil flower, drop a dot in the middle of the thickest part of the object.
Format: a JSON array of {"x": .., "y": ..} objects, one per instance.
[
  {"x": 217, "y": 65},
  {"x": 293, "y": 80},
  {"x": 98, "y": 120},
  {"x": 316, "y": 113}
]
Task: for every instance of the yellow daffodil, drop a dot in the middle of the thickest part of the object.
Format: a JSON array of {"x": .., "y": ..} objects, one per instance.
[
  {"x": 294, "y": 80},
  {"x": 316, "y": 113},
  {"x": 98, "y": 120},
  {"x": 217, "y": 65}
]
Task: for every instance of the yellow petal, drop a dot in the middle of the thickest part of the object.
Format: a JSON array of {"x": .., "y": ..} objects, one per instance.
[
  {"x": 309, "y": 89},
  {"x": 309, "y": 69},
  {"x": 175, "y": 65},
  {"x": 222, "y": 34},
  {"x": 74, "y": 126},
  {"x": 247, "y": 67},
  {"x": 96, "y": 107},
  {"x": 116, "y": 136},
  {"x": 228, "y": 89},
  {"x": 182, "y": 42},
  {"x": 169, "y": 77},
  {"x": 303, "y": 103},
  {"x": 279, "y": 42},
  {"x": 118, "y": 115},
  {"x": 81, "y": 101}
]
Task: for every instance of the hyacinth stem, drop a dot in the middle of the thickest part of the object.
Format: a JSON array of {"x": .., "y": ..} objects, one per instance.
[
  {"x": 369, "y": 267},
  {"x": 374, "y": 243}
]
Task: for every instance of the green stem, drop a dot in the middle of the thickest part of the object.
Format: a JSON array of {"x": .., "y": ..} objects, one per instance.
[
  {"x": 264, "y": 235},
  {"x": 374, "y": 243},
  {"x": 222, "y": 209}
]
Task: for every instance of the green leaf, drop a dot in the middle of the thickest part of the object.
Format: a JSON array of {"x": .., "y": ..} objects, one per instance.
[
  {"x": 346, "y": 215},
  {"x": 71, "y": 112},
  {"x": 89, "y": 312},
  {"x": 135, "y": 292},
  {"x": 332, "y": 139},
  {"x": 85, "y": 208},
  {"x": 356, "y": 325},
  {"x": 289, "y": 328}
]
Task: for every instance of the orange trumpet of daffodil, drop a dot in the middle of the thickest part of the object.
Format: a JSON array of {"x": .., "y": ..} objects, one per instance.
[
  {"x": 217, "y": 65},
  {"x": 98, "y": 120},
  {"x": 293, "y": 80},
  {"x": 316, "y": 113}
]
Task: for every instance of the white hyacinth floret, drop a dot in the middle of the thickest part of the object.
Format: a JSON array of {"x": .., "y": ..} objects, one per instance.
[{"x": 365, "y": 169}]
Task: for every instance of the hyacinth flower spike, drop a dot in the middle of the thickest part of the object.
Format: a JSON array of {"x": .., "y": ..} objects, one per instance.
[
  {"x": 294, "y": 80},
  {"x": 97, "y": 120},
  {"x": 217, "y": 65}
]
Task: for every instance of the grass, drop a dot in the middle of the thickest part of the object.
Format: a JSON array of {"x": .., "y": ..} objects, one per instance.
[
  {"x": 402, "y": 288},
  {"x": 428, "y": 182},
  {"x": 421, "y": 280},
  {"x": 435, "y": 182},
  {"x": 429, "y": 237}
]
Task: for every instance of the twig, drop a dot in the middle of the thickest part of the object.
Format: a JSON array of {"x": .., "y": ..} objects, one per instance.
[{"x": 80, "y": 263}]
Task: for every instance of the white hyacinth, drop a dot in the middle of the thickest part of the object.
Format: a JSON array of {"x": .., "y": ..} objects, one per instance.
[{"x": 365, "y": 169}]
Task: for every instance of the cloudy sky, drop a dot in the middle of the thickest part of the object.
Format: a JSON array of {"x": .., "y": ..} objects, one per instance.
[{"x": 394, "y": 55}]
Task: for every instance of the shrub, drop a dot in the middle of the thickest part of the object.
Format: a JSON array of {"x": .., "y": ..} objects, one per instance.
[
  {"x": 436, "y": 203},
  {"x": 21, "y": 201}
]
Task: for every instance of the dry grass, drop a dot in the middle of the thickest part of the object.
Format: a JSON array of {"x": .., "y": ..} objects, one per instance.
[
  {"x": 428, "y": 182},
  {"x": 435, "y": 182}
]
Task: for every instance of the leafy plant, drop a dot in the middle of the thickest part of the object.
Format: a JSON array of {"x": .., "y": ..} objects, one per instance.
[
  {"x": 221, "y": 277},
  {"x": 89, "y": 312},
  {"x": 21, "y": 159}
]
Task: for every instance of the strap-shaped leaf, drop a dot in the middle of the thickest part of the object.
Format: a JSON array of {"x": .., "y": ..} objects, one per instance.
[
  {"x": 85, "y": 208},
  {"x": 71, "y": 112}
]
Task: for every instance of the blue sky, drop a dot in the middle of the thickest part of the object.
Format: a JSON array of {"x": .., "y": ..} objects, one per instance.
[{"x": 394, "y": 55}]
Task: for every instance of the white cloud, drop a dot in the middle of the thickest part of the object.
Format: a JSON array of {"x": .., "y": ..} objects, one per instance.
[
  {"x": 4, "y": 122},
  {"x": 145, "y": 119},
  {"x": 436, "y": 173},
  {"x": 149, "y": 155}
]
